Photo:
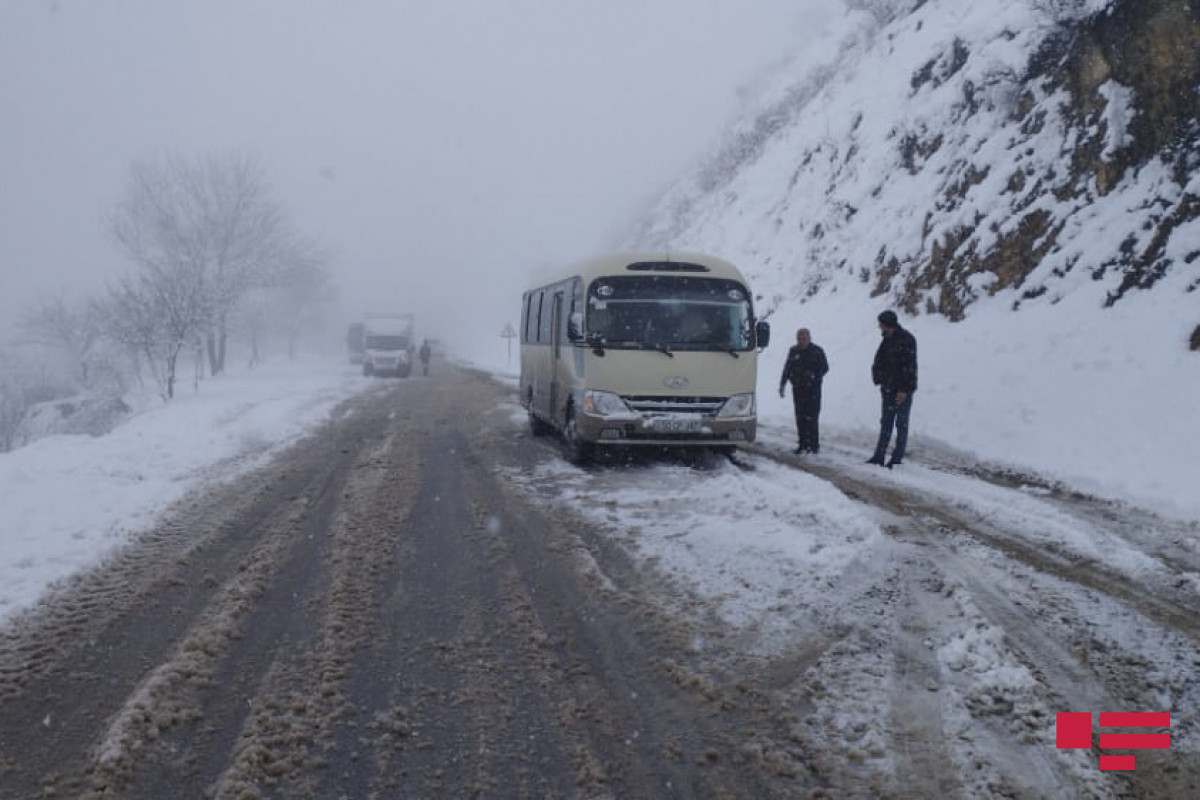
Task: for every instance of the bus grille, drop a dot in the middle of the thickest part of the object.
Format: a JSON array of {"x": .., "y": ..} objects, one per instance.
[{"x": 674, "y": 405}]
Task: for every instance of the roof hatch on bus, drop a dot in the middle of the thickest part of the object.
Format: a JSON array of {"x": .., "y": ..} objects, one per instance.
[{"x": 665, "y": 266}]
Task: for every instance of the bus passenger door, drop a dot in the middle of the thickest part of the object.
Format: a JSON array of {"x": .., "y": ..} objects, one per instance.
[{"x": 556, "y": 326}]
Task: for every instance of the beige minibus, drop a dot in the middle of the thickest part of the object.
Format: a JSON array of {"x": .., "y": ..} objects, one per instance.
[{"x": 642, "y": 349}]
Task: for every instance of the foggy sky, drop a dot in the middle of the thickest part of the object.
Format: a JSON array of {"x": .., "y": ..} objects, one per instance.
[{"x": 443, "y": 151}]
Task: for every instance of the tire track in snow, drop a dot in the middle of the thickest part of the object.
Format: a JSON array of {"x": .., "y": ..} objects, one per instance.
[{"x": 1047, "y": 600}]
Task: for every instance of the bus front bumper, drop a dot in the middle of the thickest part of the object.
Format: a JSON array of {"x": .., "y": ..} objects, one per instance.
[{"x": 672, "y": 430}]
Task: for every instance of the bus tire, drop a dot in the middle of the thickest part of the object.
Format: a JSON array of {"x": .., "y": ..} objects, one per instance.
[
  {"x": 574, "y": 450},
  {"x": 537, "y": 428}
]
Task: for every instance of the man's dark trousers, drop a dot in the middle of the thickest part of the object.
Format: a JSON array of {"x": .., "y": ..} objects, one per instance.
[
  {"x": 892, "y": 416},
  {"x": 807, "y": 403}
]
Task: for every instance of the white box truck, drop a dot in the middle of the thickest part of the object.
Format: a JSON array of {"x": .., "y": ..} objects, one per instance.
[{"x": 388, "y": 344}]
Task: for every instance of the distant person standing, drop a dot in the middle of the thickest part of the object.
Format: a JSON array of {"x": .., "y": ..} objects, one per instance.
[
  {"x": 805, "y": 368},
  {"x": 424, "y": 353},
  {"x": 895, "y": 373}
]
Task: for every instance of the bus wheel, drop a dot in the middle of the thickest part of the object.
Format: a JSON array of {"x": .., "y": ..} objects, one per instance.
[
  {"x": 576, "y": 451},
  {"x": 537, "y": 428}
]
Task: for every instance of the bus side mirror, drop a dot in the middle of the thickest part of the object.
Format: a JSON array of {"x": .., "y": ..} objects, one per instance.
[
  {"x": 575, "y": 327},
  {"x": 762, "y": 334}
]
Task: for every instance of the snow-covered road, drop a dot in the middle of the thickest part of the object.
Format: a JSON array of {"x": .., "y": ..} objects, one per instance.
[
  {"x": 906, "y": 633},
  {"x": 921, "y": 627}
]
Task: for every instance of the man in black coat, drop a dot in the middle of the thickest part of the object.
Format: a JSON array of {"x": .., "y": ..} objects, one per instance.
[
  {"x": 805, "y": 368},
  {"x": 425, "y": 352},
  {"x": 895, "y": 373}
]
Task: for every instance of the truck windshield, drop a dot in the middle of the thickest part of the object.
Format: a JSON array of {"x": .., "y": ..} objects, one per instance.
[
  {"x": 382, "y": 342},
  {"x": 674, "y": 311}
]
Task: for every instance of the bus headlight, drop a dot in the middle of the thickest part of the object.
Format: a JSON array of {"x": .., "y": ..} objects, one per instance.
[
  {"x": 740, "y": 405},
  {"x": 604, "y": 403}
]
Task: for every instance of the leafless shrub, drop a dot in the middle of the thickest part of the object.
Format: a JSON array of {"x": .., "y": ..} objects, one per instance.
[
  {"x": 73, "y": 330},
  {"x": 24, "y": 382}
]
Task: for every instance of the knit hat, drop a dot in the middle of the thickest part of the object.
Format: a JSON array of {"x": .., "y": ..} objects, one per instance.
[{"x": 889, "y": 318}]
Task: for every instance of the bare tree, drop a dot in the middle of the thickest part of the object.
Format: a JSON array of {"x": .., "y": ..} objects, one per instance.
[
  {"x": 252, "y": 320},
  {"x": 207, "y": 224},
  {"x": 73, "y": 330},
  {"x": 289, "y": 303},
  {"x": 304, "y": 294},
  {"x": 250, "y": 241},
  {"x": 156, "y": 315}
]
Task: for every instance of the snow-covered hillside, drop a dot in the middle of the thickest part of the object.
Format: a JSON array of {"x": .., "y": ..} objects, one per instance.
[
  {"x": 1016, "y": 175},
  {"x": 962, "y": 150}
]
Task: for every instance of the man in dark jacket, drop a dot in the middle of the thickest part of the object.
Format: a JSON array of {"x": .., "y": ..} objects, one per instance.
[
  {"x": 425, "y": 353},
  {"x": 805, "y": 368},
  {"x": 895, "y": 373}
]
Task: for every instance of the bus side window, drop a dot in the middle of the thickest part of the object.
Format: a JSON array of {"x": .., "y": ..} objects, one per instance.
[
  {"x": 564, "y": 313},
  {"x": 544, "y": 321},
  {"x": 525, "y": 320},
  {"x": 577, "y": 302},
  {"x": 537, "y": 330},
  {"x": 533, "y": 312},
  {"x": 557, "y": 322}
]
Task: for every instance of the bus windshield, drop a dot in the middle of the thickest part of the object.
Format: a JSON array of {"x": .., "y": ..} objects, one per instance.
[
  {"x": 679, "y": 312},
  {"x": 386, "y": 342}
]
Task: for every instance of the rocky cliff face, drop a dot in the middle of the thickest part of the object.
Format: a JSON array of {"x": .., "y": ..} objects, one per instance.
[
  {"x": 955, "y": 150},
  {"x": 1151, "y": 47}
]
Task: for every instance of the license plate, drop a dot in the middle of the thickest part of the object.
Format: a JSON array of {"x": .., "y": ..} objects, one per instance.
[{"x": 675, "y": 425}]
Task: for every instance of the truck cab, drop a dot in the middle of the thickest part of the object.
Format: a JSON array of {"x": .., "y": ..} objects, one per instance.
[{"x": 388, "y": 345}]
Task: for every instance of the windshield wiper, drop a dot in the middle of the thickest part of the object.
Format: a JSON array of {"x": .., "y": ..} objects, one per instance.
[
  {"x": 733, "y": 353},
  {"x": 660, "y": 347}
]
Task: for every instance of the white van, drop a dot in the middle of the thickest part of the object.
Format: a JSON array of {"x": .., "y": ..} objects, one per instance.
[{"x": 640, "y": 349}]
